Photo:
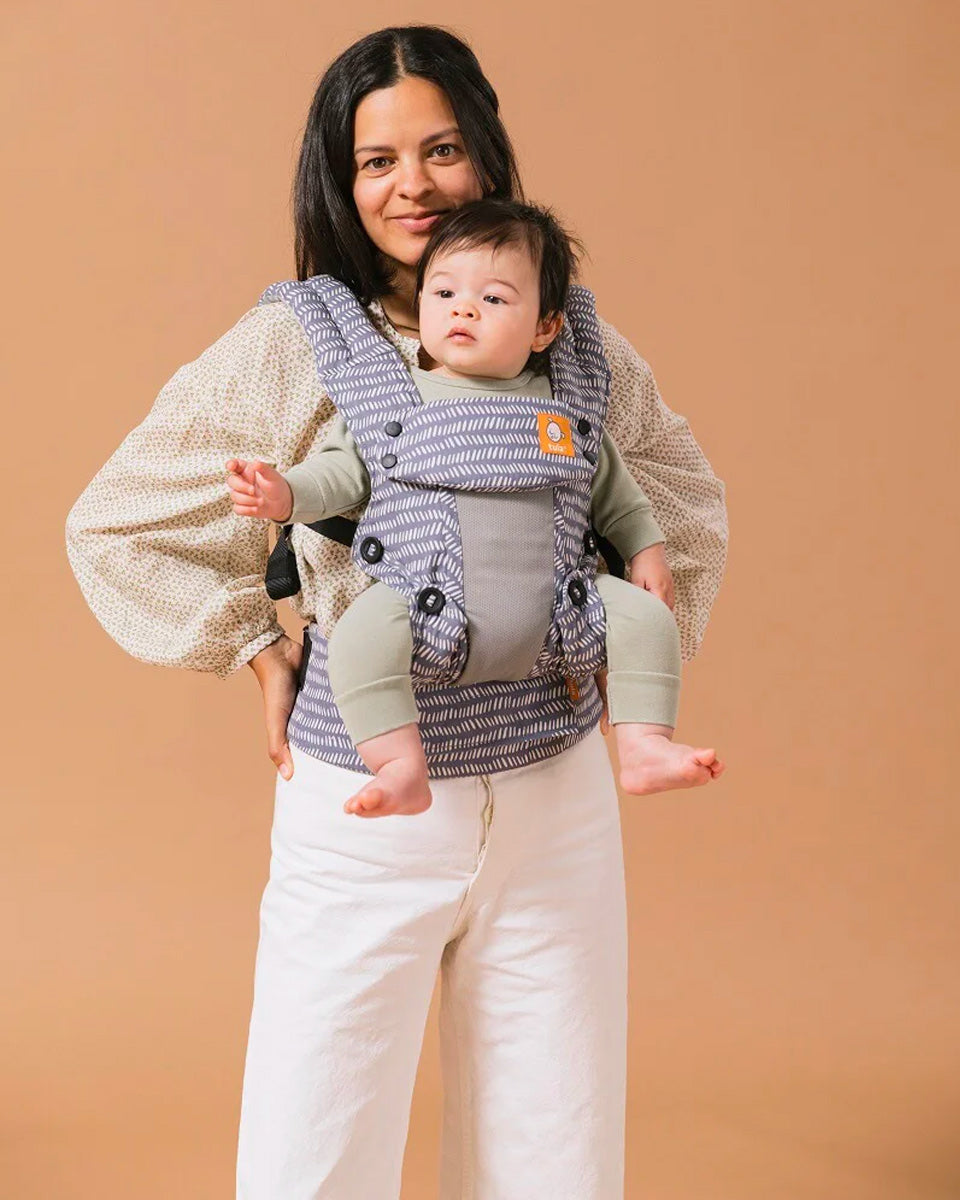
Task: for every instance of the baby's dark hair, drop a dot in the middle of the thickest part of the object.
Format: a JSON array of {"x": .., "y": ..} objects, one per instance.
[{"x": 497, "y": 222}]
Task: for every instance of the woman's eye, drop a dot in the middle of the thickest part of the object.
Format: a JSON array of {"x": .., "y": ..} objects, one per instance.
[{"x": 380, "y": 161}]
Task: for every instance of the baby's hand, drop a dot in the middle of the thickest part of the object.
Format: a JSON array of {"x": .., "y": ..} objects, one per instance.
[
  {"x": 649, "y": 570},
  {"x": 258, "y": 490}
]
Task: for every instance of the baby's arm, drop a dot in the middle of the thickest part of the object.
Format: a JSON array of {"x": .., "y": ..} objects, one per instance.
[
  {"x": 329, "y": 482},
  {"x": 623, "y": 514}
]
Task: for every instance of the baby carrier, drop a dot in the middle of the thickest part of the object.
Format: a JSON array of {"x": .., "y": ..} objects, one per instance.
[{"x": 419, "y": 454}]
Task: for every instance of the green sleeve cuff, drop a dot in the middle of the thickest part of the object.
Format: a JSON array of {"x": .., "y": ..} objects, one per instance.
[
  {"x": 633, "y": 532},
  {"x": 309, "y": 501}
]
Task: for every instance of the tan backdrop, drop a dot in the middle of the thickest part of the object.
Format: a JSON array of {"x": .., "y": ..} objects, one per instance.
[{"x": 770, "y": 206}]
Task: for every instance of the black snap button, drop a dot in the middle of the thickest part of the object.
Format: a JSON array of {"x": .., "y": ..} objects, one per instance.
[
  {"x": 371, "y": 549},
  {"x": 577, "y": 592},
  {"x": 388, "y": 461},
  {"x": 394, "y": 428},
  {"x": 590, "y": 457},
  {"x": 431, "y": 600},
  {"x": 583, "y": 426},
  {"x": 589, "y": 543}
]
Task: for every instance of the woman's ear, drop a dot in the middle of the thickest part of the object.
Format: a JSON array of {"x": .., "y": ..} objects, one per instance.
[{"x": 547, "y": 330}]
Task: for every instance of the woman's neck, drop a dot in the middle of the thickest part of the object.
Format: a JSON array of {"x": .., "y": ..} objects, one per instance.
[
  {"x": 398, "y": 305},
  {"x": 399, "y": 311}
]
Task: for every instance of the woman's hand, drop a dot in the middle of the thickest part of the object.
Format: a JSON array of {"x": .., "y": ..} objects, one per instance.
[
  {"x": 276, "y": 670},
  {"x": 649, "y": 570},
  {"x": 258, "y": 490}
]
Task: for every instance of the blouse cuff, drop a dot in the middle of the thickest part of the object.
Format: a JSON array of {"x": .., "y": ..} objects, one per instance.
[{"x": 251, "y": 649}]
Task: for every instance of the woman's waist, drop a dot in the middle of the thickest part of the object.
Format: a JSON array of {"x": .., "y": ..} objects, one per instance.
[{"x": 474, "y": 729}]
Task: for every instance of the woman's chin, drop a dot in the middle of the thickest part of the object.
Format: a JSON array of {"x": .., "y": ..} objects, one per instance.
[{"x": 408, "y": 249}]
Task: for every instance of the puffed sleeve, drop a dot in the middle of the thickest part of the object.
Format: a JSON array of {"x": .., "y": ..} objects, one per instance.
[
  {"x": 688, "y": 499},
  {"x": 169, "y": 571}
]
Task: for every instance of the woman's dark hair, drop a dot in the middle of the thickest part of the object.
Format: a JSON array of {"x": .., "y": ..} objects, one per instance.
[
  {"x": 330, "y": 239},
  {"x": 491, "y": 222}
]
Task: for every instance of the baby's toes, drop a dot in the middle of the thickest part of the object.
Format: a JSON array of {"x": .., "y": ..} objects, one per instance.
[
  {"x": 705, "y": 757},
  {"x": 365, "y": 801},
  {"x": 370, "y": 802},
  {"x": 695, "y": 773}
]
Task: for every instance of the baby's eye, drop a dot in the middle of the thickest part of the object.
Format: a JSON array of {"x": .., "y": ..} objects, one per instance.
[
  {"x": 443, "y": 293},
  {"x": 499, "y": 299}
]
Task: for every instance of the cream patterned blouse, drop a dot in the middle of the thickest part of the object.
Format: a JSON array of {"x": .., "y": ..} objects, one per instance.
[{"x": 177, "y": 579}]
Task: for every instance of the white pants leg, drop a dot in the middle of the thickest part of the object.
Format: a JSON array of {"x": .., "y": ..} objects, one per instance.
[{"x": 512, "y": 882}]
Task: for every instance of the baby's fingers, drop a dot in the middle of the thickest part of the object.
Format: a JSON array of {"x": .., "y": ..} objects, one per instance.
[
  {"x": 246, "y": 504},
  {"x": 239, "y": 486}
]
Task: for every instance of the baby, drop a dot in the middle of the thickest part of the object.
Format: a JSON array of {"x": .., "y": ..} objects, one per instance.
[{"x": 490, "y": 291}]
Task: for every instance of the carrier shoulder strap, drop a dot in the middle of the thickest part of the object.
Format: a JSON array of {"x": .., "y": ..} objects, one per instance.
[{"x": 344, "y": 339}]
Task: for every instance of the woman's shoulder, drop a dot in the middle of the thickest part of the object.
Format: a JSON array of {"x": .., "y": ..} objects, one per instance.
[
  {"x": 623, "y": 359},
  {"x": 258, "y": 376},
  {"x": 634, "y": 397},
  {"x": 264, "y": 331}
]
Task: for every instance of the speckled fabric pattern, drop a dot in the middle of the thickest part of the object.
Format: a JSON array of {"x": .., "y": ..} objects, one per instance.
[{"x": 177, "y": 579}]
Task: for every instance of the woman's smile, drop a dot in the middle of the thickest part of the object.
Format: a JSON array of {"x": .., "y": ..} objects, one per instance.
[{"x": 420, "y": 224}]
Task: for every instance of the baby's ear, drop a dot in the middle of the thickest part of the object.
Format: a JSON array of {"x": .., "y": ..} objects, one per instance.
[{"x": 547, "y": 330}]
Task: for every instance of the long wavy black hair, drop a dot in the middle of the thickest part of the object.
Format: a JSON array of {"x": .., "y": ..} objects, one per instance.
[{"x": 330, "y": 239}]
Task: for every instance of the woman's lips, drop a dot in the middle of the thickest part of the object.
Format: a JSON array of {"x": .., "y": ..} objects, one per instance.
[{"x": 418, "y": 224}]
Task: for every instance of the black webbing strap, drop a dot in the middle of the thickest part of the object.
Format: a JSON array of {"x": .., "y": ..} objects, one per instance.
[
  {"x": 339, "y": 529},
  {"x": 283, "y": 579},
  {"x": 615, "y": 564}
]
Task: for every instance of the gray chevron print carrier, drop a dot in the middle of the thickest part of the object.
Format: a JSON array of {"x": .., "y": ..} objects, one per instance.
[
  {"x": 419, "y": 454},
  {"x": 412, "y": 543}
]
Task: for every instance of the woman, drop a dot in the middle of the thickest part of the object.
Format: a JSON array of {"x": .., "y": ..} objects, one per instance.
[{"x": 512, "y": 882}]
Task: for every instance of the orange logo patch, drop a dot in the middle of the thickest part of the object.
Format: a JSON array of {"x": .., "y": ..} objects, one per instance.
[{"x": 555, "y": 436}]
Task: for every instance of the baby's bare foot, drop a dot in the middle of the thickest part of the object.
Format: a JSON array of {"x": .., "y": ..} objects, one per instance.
[
  {"x": 400, "y": 786},
  {"x": 651, "y": 762}
]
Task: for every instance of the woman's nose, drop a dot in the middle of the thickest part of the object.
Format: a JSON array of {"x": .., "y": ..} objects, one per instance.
[{"x": 414, "y": 182}]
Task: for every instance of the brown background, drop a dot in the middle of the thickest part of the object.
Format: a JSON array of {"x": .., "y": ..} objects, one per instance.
[{"x": 768, "y": 198}]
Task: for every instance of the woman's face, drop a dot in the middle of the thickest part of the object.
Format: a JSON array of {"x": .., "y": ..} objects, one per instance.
[{"x": 409, "y": 162}]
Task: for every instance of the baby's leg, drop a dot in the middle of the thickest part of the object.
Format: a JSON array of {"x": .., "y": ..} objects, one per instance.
[
  {"x": 368, "y": 662},
  {"x": 643, "y": 692}
]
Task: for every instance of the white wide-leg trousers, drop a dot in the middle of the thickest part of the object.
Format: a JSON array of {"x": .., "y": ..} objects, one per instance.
[{"x": 512, "y": 885}]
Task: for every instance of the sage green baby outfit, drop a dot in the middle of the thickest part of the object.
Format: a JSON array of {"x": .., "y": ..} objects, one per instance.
[{"x": 508, "y": 577}]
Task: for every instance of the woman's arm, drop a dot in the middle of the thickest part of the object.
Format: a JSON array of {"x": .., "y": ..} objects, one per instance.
[
  {"x": 663, "y": 456},
  {"x": 167, "y": 568},
  {"x": 172, "y": 574}
]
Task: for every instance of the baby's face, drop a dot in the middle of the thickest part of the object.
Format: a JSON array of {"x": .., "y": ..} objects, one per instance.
[{"x": 494, "y": 295}]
